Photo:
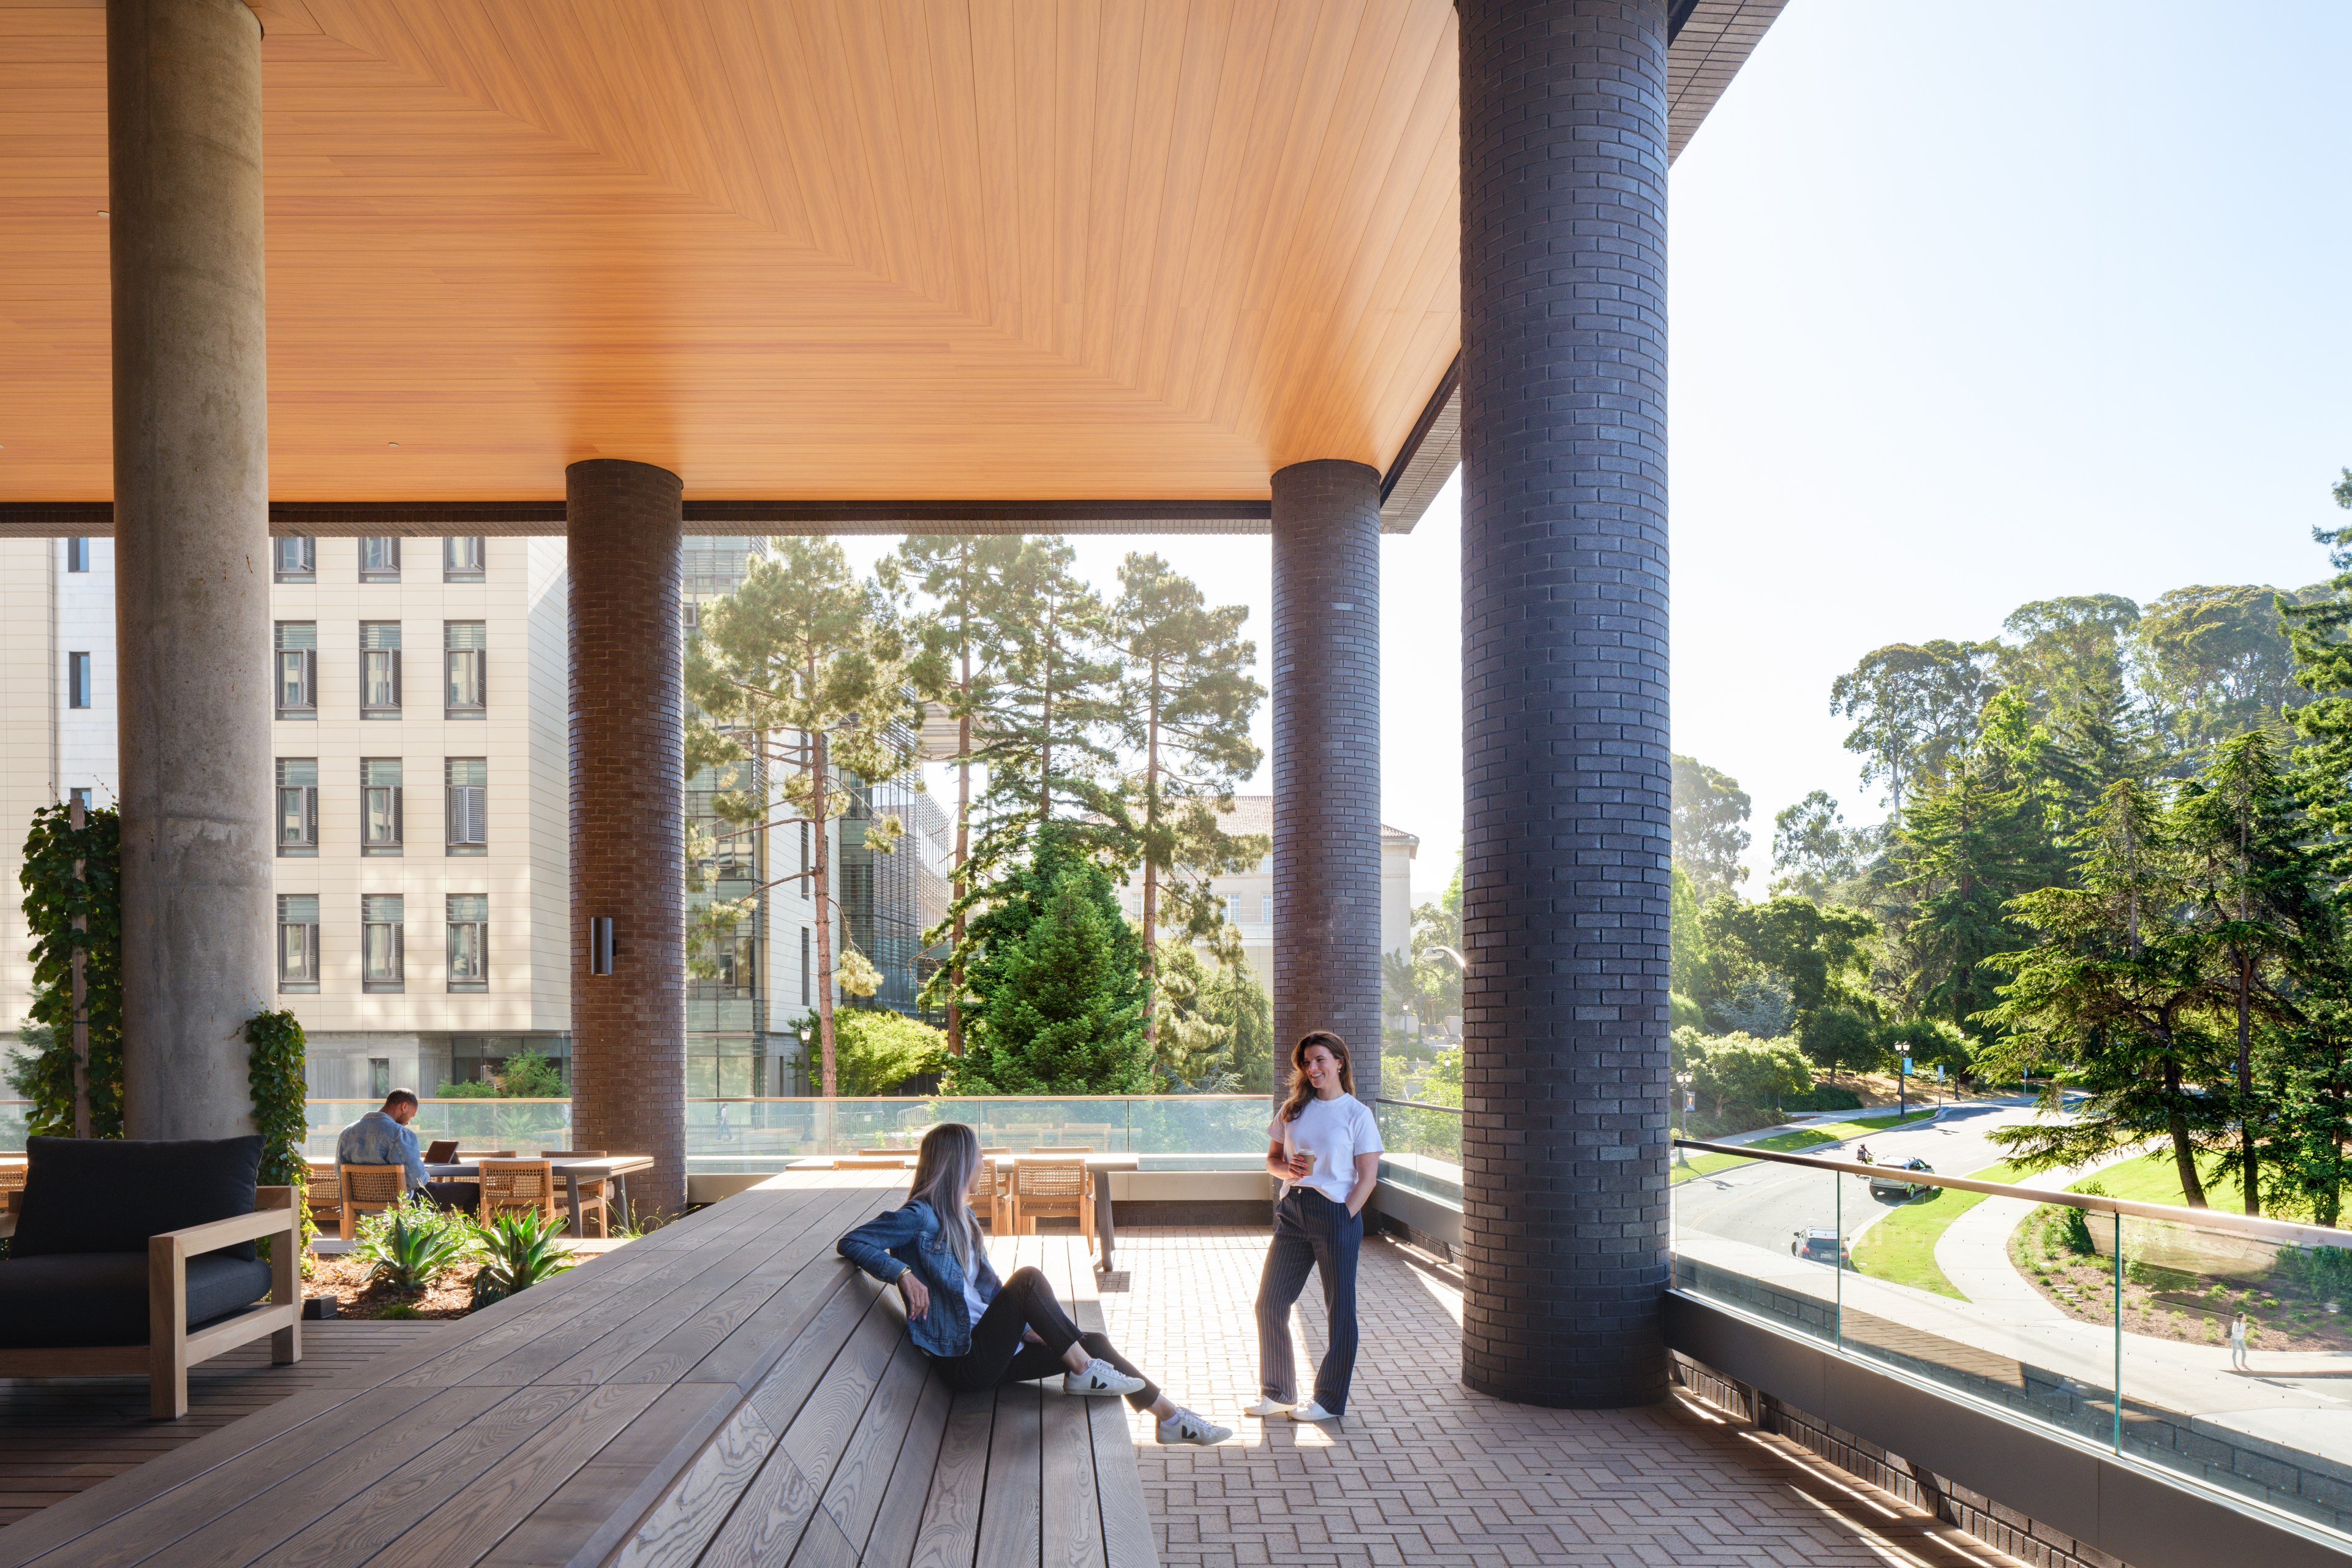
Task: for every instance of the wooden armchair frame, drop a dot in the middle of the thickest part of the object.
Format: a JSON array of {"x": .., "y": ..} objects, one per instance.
[{"x": 171, "y": 1348}]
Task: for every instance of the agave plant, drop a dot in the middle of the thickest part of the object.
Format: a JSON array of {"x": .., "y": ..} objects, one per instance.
[
  {"x": 519, "y": 1251},
  {"x": 411, "y": 1243}
]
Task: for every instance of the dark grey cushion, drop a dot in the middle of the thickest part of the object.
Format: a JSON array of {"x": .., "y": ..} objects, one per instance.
[
  {"x": 110, "y": 1195},
  {"x": 100, "y": 1297}
]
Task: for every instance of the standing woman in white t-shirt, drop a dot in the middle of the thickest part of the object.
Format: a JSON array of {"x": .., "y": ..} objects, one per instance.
[{"x": 1325, "y": 1147}]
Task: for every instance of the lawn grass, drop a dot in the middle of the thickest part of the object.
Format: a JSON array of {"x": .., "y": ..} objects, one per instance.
[
  {"x": 1799, "y": 1140},
  {"x": 2155, "y": 1180},
  {"x": 1901, "y": 1248}
]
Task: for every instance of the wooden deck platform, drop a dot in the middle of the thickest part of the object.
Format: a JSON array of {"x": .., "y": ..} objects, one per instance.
[
  {"x": 726, "y": 1390},
  {"x": 63, "y": 1436}
]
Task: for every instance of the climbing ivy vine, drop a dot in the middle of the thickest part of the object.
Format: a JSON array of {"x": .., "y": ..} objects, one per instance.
[{"x": 54, "y": 896}]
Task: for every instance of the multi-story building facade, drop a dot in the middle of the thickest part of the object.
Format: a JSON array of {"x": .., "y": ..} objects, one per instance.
[{"x": 420, "y": 776}]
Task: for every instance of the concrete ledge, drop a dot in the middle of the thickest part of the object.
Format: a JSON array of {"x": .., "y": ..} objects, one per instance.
[
  {"x": 709, "y": 1189},
  {"x": 1419, "y": 1213},
  {"x": 2130, "y": 1512},
  {"x": 1191, "y": 1186}
]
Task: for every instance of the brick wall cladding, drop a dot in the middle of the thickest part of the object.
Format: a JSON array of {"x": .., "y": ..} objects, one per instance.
[
  {"x": 1327, "y": 761},
  {"x": 628, "y": 787},
  {"x": 1565, "y": 764}
]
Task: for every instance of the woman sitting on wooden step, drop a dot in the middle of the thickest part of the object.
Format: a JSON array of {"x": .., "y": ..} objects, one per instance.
[{"x": 979, "y": 1332}]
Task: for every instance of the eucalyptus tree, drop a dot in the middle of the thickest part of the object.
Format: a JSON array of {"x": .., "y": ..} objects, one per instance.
[
  {"x": 1912, "y": 706},
  {"x": 1185, "y": 704},
  {"x": 1710, "y": 827},
  {"x": 967, "y": 579},
  {"x": 805, "y": 669}
]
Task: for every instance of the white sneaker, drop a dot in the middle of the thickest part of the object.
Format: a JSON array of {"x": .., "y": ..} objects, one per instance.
[
  {"x": 1266, "y": 1408},
  {"x": 1184, "y": 1427},
  {"x": 1310, "y": 1411},
  {"x": 1100, "y": 1378}
]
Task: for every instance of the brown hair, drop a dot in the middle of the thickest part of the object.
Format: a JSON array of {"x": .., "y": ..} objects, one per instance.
[
  {"x": 944, "y": 1164},
  {"x": 1301, "y": 1091}
]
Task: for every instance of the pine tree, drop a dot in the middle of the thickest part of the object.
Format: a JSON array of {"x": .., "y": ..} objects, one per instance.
[
  {"x": 1064, "y": 1013},
  {"x": 966, "y": 578},
  {"x": 2250, "y": 880},
  {"x": 1187, "y": 700},
  {"x": 1980, "y": 835},
  {"x": 803, "y": 668},
  {"x": 2116, "y": 991}
]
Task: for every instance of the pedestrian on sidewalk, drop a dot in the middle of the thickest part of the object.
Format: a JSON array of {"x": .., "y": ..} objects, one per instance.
[
  {"x": 2238, "y": 1344},
  {"x": 1325, "y": 1147}
]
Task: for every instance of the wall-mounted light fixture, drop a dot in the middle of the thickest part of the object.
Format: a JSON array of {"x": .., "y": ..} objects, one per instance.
[{"x": 600, "y": 945}]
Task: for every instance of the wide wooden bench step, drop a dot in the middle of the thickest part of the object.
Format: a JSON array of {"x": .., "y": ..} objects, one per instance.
[{"x": 725, "y": 1391}]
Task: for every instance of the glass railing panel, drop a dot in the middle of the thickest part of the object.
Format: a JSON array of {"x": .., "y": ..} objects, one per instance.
[
  {"x": 1945, "y": 1288},
  {"x": 526, "y": 1126},
  {"x": 2237, "y": 1356},
  {"x": 1423, "y": 1147},
  {"x": 1765, "y": 1238},
  {"x": 14, "y": 1115}
]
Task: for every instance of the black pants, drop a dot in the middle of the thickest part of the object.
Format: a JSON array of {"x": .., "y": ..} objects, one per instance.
[{"x": 1000, "y": 1355}]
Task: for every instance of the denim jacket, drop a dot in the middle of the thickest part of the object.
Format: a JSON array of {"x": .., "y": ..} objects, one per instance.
[{"x": 912, "y": 1237}]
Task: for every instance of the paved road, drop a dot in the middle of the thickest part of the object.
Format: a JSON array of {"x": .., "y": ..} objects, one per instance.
[{"x": 1765, "y": 1204}]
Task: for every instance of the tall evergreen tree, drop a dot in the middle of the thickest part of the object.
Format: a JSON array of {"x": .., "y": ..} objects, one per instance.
[
  {"x": 1187, "y": 700},
  {"x": 2214, "y": 662},
  {"x": 2254, "y": 902},
  {"x": 2116, "y": 992},
  {"x": 1981, "y": 834},
  {"x": 2319, "y": 633},
  {"x": 965, "y": 578},
  {"x": 804, "y": 667},
  {"x": 1912, "y": 706}
]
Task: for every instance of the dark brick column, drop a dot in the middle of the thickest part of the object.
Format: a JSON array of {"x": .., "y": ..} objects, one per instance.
[
  {"x": 629, "y": 789},
  {"x": 1565, "y": 771},
  {"x": 1327, "y": 761}
]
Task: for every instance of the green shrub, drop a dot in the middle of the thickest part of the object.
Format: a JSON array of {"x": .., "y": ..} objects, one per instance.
[
  {"x": 1837, "y": 1036},
  {"x": 876, "y": 1050},
  {"x": 519, "y": 1251},
  {"x": 1822, "y": 1097},
  {"x": 1739, "y": 1070}
]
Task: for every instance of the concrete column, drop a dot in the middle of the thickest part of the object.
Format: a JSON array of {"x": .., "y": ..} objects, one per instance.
[
  {"x": 192, "y": 556},
  {"x": 1327, "y": 761},
  {"x": 628, "y": 806},
  {"x": 1565, "y": 770}
]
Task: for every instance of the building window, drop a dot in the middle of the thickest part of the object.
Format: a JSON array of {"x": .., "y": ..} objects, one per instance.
[
  {"x": 379, "y": 805},
  {"x": 808, "y": 889},
  {"x": 379, "y": 1076},
  {"x": 298, "y": 670},
  {"x": 379, "y": 670},
  {"x": 470, "y": 808},
  {"x": 76, "y": 680},
  {"x": 466, "y": 645},
  {"x": 805, "y": 966},
  {"x": 295, "y": 559},
  {"x": 380, "y": 559},
  {"x": 297, "y": 805},
  {"x": 1234, "y": 909},
  {"x": 1266, "y": 909},
  {"x": 469, "y": 941},
  {"x": 380, "y": 942},
  {"x": 464, "y": 558},
  {"x": 77, "y": 554},
  {"x": 298, "y": 942}
]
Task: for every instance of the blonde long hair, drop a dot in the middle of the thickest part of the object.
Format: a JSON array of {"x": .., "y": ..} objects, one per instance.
[
  {"x": 1301, "y": 1091},
  {"x": 944, "y": 1164}
]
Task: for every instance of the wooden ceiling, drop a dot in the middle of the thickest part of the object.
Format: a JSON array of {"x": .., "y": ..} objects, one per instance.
[{"x": 790, "y": 248}]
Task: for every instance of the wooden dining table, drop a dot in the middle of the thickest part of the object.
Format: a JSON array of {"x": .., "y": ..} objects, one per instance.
[
  {"x": 613, "y": 1168},
  {"x": 1100, "y": 1167}
]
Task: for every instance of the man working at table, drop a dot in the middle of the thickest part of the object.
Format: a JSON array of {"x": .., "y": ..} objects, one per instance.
[{"x": 383, "y": 1138}]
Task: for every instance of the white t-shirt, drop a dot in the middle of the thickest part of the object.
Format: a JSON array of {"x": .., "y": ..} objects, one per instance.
[{"x": 1334, "y": 1131}]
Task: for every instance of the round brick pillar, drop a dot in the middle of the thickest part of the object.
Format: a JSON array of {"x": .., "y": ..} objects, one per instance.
[
  {"x": 1565, "y": 762},
  {"x": 1327, "y": 761},
  {"x": 628, "y": 802}
]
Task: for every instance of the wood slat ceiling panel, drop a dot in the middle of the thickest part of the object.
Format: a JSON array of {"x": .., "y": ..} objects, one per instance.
[{"x": 886, "y": 248}]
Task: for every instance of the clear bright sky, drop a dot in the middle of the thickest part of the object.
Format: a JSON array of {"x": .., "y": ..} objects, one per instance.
[{"x": 1972, "y": 306}]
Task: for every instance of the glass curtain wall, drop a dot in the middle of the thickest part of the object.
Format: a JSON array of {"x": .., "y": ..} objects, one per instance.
[{"x": 727, "y": 1011}]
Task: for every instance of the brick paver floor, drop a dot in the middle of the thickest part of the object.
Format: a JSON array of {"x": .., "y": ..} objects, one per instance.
[{"x": 1424, "y": 1472}]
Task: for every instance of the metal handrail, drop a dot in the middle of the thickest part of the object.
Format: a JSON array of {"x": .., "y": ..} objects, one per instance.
[
  {"x": 2098, "y": 1203},
  {"x": 1416, "y": 1104}
]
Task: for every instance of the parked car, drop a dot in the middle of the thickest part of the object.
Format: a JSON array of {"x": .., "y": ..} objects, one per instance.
[
  {"x": 1892, "y": 1185},
  {"x": 1820, "y": 1244}
]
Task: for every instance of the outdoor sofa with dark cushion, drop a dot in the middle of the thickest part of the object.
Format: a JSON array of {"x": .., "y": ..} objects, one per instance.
[{"x": 138, "y": 1255}]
